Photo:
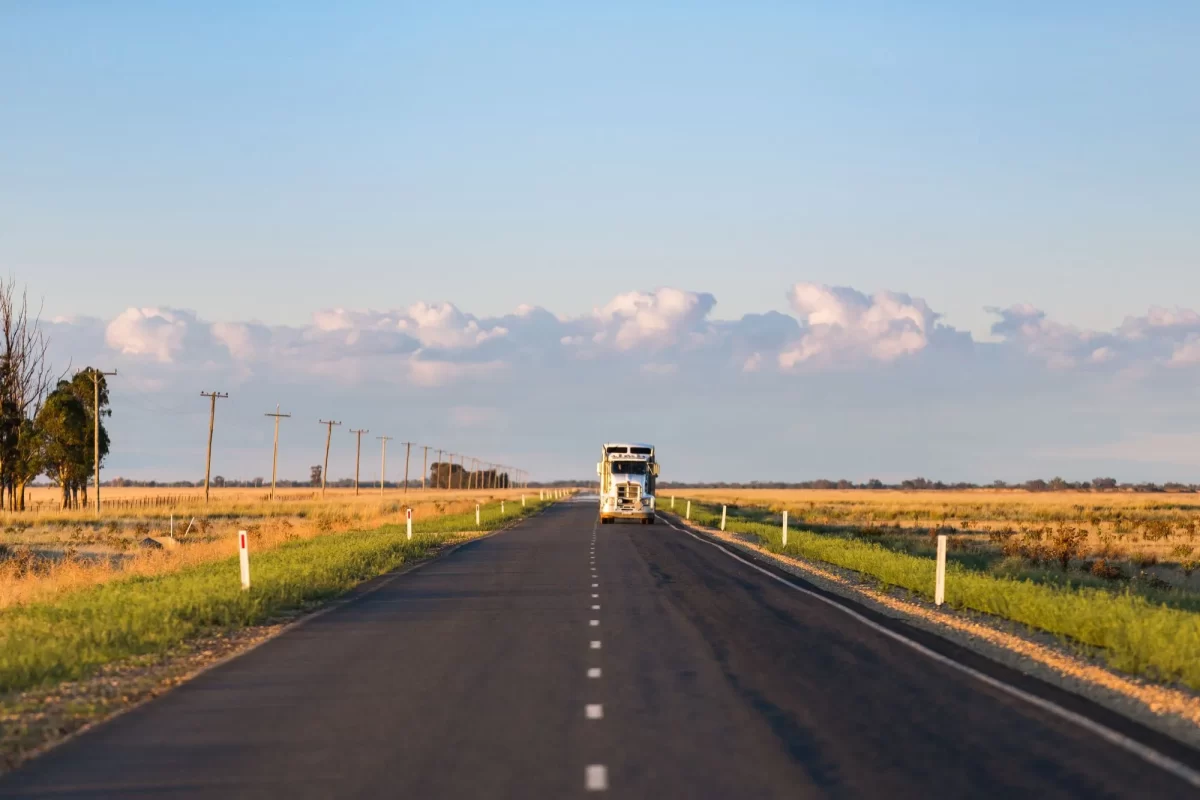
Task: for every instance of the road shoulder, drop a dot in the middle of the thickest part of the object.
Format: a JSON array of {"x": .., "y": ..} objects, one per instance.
[{"x": 1165, "y": 718}]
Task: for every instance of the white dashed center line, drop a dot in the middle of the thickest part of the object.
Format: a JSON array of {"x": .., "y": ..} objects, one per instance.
[
  {"x": 595, "y": 586},
  {"x": 595, "y": 778},
  {"x": 594, "y": 672},
  {"x": 595, "y": 596},
  {"x": 595, "y": 623},
  {"x": 595, "y": 645},
  {"x": 594, "y": 711},
  {"x": 595, "y": 608}
]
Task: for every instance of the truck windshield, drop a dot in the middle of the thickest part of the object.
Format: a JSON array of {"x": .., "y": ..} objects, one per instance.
[{"x": 629, "y": 467}]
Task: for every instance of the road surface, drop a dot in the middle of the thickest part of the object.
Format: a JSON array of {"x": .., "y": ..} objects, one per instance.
[{"x": 562, "y": 658}]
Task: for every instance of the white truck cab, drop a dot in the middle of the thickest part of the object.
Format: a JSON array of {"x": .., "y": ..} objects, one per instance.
[{"x": 628, "y": 473}]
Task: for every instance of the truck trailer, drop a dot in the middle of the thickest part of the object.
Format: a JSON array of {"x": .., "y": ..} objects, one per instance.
[{"x": 628, "y": 473}]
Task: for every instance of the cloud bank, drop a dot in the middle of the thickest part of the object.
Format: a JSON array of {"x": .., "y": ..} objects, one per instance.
[
  {"x": 843, "y": 383},
  {"x": 830, "y": 328}
]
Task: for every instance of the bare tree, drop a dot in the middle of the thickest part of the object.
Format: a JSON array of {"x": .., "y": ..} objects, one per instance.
[{"x": 25, "y": 378}]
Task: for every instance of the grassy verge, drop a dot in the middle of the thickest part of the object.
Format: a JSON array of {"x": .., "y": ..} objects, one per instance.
[
  {"x": 73, "y": 636},
  {"x": 1135, "y": 635}
]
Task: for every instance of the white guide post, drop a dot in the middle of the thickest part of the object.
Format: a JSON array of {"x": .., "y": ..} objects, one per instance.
[
  {"x": 785, "y": 528},
  {"x": 688, "y": 515},
  {"x": 672, "y": 501},
  {"x": 939, "y": 589},
  {"x": 244, "y": 558},
  {"x": 502, "y": 508},
  {"x": 477, "y": 515},
  {"x": 408, "y": 521},
  {"x": 522, "y": 501},
  {"x": 722, "y": 517}
]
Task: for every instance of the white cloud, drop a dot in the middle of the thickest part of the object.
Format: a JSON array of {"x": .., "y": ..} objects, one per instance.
[
  {"x": 845, "y": 326},
  {"x": 664, "y": 331},
  {"x": 652, "y": 320},
  {"x": 155, "y": 332}
]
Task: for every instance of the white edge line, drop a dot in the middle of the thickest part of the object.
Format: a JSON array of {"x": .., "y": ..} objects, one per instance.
[{"x": 1144, "y": 752}]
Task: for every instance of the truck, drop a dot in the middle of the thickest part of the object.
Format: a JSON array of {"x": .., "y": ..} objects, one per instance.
[{"x": 628, "y": 472}]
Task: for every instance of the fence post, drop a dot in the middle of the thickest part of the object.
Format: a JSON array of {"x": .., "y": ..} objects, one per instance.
[
  {"x": 408, "y": 520},
  {"x": 785, "y": 527},
  {"x": 244, "y": 558},
  {"x": 939, "y": 589},
  {"x": 688, "y": 515},
  {"x": 477, "y": 515},
  {"x": 722, "y": 517}
]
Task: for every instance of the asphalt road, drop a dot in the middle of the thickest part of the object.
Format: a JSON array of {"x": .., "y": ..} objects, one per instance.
[{"x": 525, "y": 666}]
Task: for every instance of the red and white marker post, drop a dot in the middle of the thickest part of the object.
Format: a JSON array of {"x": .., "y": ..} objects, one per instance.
[
  {"x": 408, "y": 520},
  {"x": 244, "y": 557}
]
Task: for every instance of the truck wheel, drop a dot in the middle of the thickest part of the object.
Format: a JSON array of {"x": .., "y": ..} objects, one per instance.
[{"x": 650, "y": 521}]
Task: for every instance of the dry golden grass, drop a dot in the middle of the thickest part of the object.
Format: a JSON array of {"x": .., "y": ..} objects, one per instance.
[
  {"x": 1116, "y": 525},
  {"x": 44, "y": 503},
  {"x": 84, "y": 551},
  {"x": 889, "y": 499}
]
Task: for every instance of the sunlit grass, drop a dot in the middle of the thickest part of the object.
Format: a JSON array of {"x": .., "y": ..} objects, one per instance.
[
  {"x": 1135, "y": 635},
  {"x": 79, "y": 631}
]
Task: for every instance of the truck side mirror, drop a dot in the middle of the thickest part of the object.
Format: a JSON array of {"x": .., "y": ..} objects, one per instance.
[
  {"x": 654, "y": 469},
  {"x": 599, "y": 466}
]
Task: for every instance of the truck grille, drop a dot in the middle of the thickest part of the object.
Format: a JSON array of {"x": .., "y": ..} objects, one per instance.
[{"x": 628, "y": 493}]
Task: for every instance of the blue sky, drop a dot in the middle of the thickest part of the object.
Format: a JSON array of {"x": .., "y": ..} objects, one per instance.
[{"x": 262, "y": 162}]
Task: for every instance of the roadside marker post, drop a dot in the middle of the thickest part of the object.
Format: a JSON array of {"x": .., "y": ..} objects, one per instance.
[
  {"x": 244, "y": 558},
  {"x": 502, "y": 508},
  {"x": 672, "y": 501},
  {"x": 785, "y": 528},
  {"x": 722, "y": 517},
  {"x": 939, "y": 589},
  {"x": 541, "y": 494},
  {"x": 688, "y": 515},
  {"x": 408, "y": 521},
  {"x": 522, "y": 501},
  {"x": 477, "y": 515}
]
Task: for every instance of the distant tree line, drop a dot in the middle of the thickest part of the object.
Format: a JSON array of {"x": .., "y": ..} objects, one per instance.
[{"x": 917, "y": 484}]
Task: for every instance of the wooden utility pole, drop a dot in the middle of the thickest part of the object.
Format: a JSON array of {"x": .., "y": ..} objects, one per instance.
[
  {"x": 357, "y": 456},
  {"x": 462, "y": 470},
  {"x": 328, "y": 436},
  {"x": 383, "y": 466},
  {"x": 437, "y": 484},
  {"x": 275, "y": 450},
  {"x": 212, "y": 416},
  {"x": 474, "y": 469},
  {"x": 424, "y": 467},
  {"x": 407, "y": 451},
  {"x": 96, "y": 432}
]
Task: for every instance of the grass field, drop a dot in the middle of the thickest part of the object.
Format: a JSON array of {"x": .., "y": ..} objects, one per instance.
[
  {"x": 43, "y": 556},
  {"x": 76, "y": 632},
  {"x": 1147, "y": 627},
  {"x": 1108, "y": 536}
]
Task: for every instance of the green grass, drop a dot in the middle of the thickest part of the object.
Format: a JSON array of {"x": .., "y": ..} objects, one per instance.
[
  {"x": 73, "y": 636},
  {"x": 1135, "y": 634}
]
